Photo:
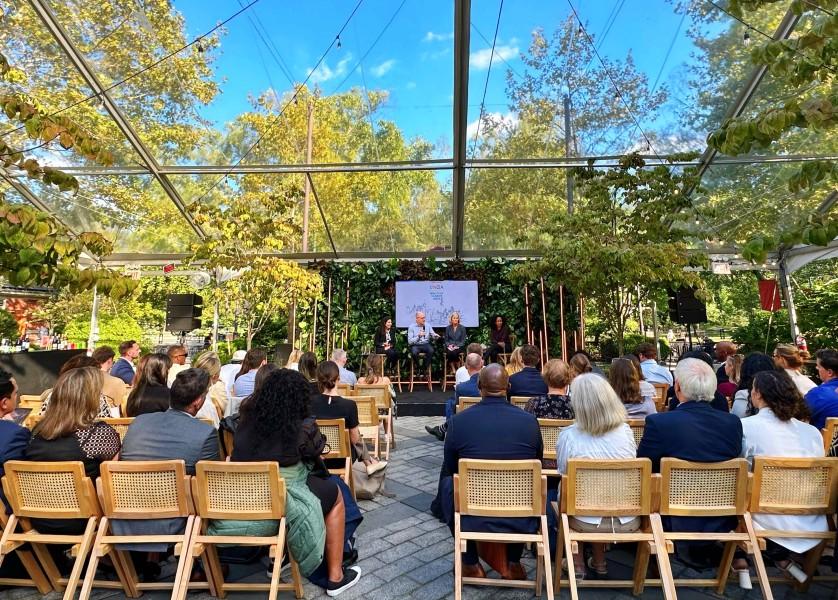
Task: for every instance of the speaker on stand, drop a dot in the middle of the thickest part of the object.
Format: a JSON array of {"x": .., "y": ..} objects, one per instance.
[
  {"x": 183, "y": 313},
  {"x": 686, "y": 309}
]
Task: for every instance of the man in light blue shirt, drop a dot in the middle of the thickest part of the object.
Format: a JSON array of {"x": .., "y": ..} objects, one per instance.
[
  {"x": 418, "y": 338},
  {"x": 339, "y": 358},
  {"x": 652, "y": 371}
]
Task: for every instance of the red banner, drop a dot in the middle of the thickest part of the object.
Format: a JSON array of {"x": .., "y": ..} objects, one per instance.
[{"x": 769, "y": 295}]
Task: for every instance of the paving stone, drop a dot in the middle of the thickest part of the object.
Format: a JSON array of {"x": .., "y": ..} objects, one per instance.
[
  {"x": 443, "y": 547},
  {"x": 432, "y": 570},
  {"x": 441, "y": 587},
  {"x": 400, "y": 567},
  {"x": 397, "y": 552},
  {"x": 398, "y": 588}
]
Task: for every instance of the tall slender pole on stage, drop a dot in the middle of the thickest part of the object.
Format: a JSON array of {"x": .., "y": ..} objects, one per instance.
[
  {"x": 329, "y": 319},
  {"x": 294, "y": 323},
  {"x": 527, "y": 308},
  {"x": 581, "y": 322},
  {"x": 345, "y": 337},
  {"x": 561, "y": 316},
  {"x": 312, "y": 342},
  {"x": 655, "y": 326},
  {"x": 94, "y": 323},
  {"x": 544, "y": 317}
]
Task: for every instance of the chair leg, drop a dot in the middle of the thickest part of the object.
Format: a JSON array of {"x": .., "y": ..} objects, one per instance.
[
  {"x": 545, "y": 543},
  {"x": 759, "y": 563},
  {"x": 662, "y": 553},
  {"x": 78, "y": 565},
  {"x": 184, "y": 558},
  {"x": 571, "y": 569},
  {"x": 125, "y": 571},
  {"x": 412, "y": 367},
  {"x": 87, "y": 584},
  {"x": 557, "y": 576},
  {"x": 34, "y": 571},
  {"x": 810, "y": 566},
  {"x": 458, "y": 561},
  {"x": 51, "y": 571},
  {"x": 641, "y": 566},
  {"x": 297, "y": 579}
]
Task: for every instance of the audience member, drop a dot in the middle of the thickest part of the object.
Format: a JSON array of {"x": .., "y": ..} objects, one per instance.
[
  {"x": 77, "y": 362},
  {"x": 722, "y": 351},
  {"x": 600, "y": 431},
  {"x": 114, "y": 387},
  {"x": 499, "y": 341},
  {"x": 177, "y": 354},
  {"x": 492, "y": 430},
  {"x": 719, "y": 402},
  {"x": 150, "y": 392},
  {"x": 308, "y": 368},
  {"x": 124, "y": 367},
  {"x": 528, "y": 381},
  {"x": 647, "y": 390},
  {"x": 454, "y": 340},
  {"x": 217, "y": 398},
  {"x": 276, "y": 425},
  {"x": 790, "y": 358},
  {"x": 373, "y": 376},
  {"x": 474, "y": 363},
  {"x": 246, "y": 377},
  {"x": 624, "y": 378},
  {"x": 515, "y": 363},
  {"x": 231, "y": 369},
  {"x": 776, "y": 431},
  {"x": 693, "y": 431},
  {"x": 339, "y": 358},
  {"x": 293, "y": 361},
  {"x": 823, "y": 399},
  {"x": 585, "y": 362},
  {"x": 13, "y": 437},
  {"x": 385, "y": 342},
  {"x": 733, "y": 371},
  {"x": 462, "y": 373},
  {"x": 177, "y": 433},
  {"x": 555, "y": 404},
  {"x": 652, "y": 371},
  {"x": 328, "y": 404},
  {"x": 751, "y": 365},
  {"x": 419, "y": 338}
]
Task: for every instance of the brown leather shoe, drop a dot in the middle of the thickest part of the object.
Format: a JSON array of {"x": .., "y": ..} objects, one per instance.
[
  {"x": 474, "y": 571},
  {"x": 516, "y": 571}
]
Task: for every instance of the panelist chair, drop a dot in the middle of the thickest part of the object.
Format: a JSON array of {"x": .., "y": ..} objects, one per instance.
[
  {"x": 449, "y": 377},
  {"x": 504, "y": 356},
  {"x": 428, "y": 377}
]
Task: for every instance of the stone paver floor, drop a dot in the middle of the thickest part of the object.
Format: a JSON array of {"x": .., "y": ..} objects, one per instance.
[{"x": 406, "y": 553}]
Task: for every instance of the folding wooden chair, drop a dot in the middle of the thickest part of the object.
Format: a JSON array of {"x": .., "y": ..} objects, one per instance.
[
  {"x": 504, "y": 356},
  {"x": 427, "y": 367},
  {"x": 52, "y": 490},
  {"x": 30, "y": 401},
  {"x": 520, "y": 401},
  {"x": 661, "y": 389},
  {"x": 344, "y": 389},
  {"x": 830, "y": 443},
  {"x": 550, "y": 429},
  {"x": 637, "y": 427},
  {"x": 368, "y": 423},
  {"x": 505, "y": 488},
  {"x": 239, "y": 491},
  {"x": 796, "y": 486},
  {"x": 690, "y": 489},
  {"x": 465, "y": 402},
  {"x": 37, "y": 578},
  {"x": 121, "y": 425},
  {"x": 610, "y": 488},
  {"x": 384, "y": 402},
  {"x": 337, "y": 436},
  {"x": 135, "y": 491}
]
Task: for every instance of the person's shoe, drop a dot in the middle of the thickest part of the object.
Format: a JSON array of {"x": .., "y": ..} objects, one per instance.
[
  {"x": 375, "y": 467},
  {"x": 351, "y": 576},
  {"x": 516, "y": 571},
  {"x": 286, "y": 564},
  {"x": 350, "y": 558},
  {"x": 436, "y": 431},
  {"x": 475, "y": 570}
]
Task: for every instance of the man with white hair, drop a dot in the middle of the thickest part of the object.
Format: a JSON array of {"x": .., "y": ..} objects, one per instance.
[
  {"x": 693, "y": 431},
  {"x": 339, "y": 358}
]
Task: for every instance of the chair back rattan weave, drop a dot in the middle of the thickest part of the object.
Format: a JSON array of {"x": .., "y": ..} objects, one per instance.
[
  {"x": 336, "y": 436},
  {"x": 519, "y": 401},
  {"x": 703, "y": 489},
  {"x": 379, "y": 391},
  {"x": 550, "y": 429},
  {"x": 500, "y": 488},
  {"x": 367, "y": 410},
  {"x": 121, "y": 425},
  {"x": 799, "y": 486},
  {"x": 239, "y": 490},
  {"x": 637, "y": 427},
  {"x": 467, "y": 402},
  {"x": 57, "y": 490},
  {"x": 144, "y": 489},
  {"x": 601, "y": 487}
]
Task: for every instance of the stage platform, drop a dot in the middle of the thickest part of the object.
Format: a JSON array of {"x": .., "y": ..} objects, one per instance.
[{"x": 422, "y": 402}]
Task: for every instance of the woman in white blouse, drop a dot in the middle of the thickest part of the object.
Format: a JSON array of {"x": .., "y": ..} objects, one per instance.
[
  {"x": 776, "y": 431},
  {"x": 600, "y": 431},
  {"x": 791, "y": 359}
]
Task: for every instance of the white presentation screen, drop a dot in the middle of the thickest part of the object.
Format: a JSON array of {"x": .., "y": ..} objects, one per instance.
[{"x": 437, "y": 299}]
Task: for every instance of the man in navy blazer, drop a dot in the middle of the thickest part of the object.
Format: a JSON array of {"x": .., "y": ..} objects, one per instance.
[
  {"x": 528, "y": 381},
  {"x": 697, "y": 432},
  {"x": 124, "y": 365},
  {"x": 13, "y": 438},
  {"x": 496, "y": 430},
  {"x": 468, "y": 388}
]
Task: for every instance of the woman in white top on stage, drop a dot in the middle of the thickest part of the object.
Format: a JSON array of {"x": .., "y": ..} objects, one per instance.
[
  {"x": 600, "y": 431},
  {"x": 776, "y": 431}
]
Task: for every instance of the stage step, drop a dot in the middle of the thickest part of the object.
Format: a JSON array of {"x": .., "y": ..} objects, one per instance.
[{"x": 421, "y": 402}]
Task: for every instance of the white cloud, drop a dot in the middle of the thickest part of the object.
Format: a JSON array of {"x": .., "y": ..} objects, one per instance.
[
  {"x": 498, "y": 120},
  {"x": 438, "y": 37},
  {"x": 480, "y": 60},
  {"x": 383, "y": 68},
  {"x": 324, "y": 72}
]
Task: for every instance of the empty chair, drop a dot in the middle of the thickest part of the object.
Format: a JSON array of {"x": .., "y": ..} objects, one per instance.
[
  {"x": 384, "y": 403},
  {"x": 467, "y": 401}
]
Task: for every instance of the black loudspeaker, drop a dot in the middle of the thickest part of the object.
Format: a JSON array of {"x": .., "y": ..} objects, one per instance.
[
  {"x": 685, "y": 308},
  {"x": 183, "y": 312}
]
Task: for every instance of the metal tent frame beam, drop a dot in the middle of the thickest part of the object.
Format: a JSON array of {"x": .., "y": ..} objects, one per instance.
[
  {"x": 462, "y": 31},
  {"x": 80, "y": 63},
  {"x": 24, "y": 191}
]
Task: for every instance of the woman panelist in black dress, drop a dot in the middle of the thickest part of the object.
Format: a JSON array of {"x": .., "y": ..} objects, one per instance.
[
  {"x": 498, "y": 339},
  {"x": 385, "y": 342}
]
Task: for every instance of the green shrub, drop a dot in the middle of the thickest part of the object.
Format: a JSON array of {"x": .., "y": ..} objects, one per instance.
[
  {"x": 752, "y": 336},
  {"x": 8, "y": 325},
  {"x": 113, "y": 330},
  {"x": 608, "y": 346}
]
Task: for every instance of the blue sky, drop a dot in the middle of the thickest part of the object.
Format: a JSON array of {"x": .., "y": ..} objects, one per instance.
[{"x": 413, "y": 60}]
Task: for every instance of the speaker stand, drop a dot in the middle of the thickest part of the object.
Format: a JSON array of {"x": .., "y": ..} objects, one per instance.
[{"x": 689, "y": 337}]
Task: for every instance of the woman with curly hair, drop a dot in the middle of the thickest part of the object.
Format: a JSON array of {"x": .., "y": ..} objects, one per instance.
[
  {"x": 276, "y": 426},
  {"x": 778, "y": 430}
]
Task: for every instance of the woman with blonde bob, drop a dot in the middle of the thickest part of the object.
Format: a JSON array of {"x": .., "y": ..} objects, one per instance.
[
  {"x": 516, "y": 363},
  {"x": 600, "y": 431},
  {"x": 217, "y": 395}
]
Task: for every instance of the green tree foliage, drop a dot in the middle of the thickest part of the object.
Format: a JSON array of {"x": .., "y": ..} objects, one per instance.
[
  {"x": 9, "y": 327},
  {"x": 624, "y": 233},
  {"x": 113, "y": 330}
]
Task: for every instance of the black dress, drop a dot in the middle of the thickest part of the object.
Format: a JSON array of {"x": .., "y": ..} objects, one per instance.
[
  {"x": 387, "y": 337},
  {"x": 152, "y": 398},
  {"x": 498, "y": 343},
  {"x": 336, "y": 407}
]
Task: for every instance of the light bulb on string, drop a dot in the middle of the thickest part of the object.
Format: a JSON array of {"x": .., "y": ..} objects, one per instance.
[{"x": 746, "y": 39}]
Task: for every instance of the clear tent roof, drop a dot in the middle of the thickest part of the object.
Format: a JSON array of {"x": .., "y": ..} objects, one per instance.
[{"x": 438, "y": 127}]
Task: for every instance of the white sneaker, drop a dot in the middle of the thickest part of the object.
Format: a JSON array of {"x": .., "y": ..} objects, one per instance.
[{"x": 375, "y": 467}]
